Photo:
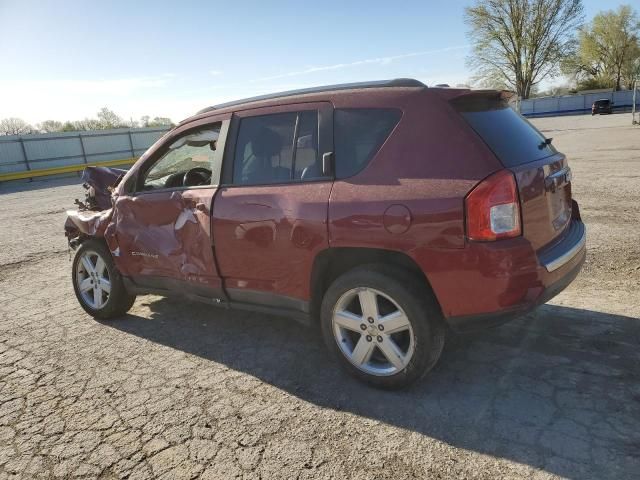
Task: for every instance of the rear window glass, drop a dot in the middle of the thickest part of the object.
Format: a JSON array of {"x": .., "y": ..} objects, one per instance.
[
  {"x": 359, "y": 134},
  {"x": 507, "y": 133}
]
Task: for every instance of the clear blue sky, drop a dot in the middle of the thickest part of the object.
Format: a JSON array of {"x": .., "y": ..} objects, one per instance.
[{"x": 65, "y": 60}]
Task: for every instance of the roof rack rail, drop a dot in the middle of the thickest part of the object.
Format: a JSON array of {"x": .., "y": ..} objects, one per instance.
[{"x": 397, "y": 82}]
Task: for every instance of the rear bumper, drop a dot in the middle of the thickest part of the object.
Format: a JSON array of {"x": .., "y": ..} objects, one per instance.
[
  {"x": 487, "y": 284},
  {"x": 470, "y": 323}
]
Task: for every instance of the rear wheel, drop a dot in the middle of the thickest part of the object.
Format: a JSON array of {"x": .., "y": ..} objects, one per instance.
[
  {"x": 97, "y": 283},
  {"x": 383, "y": 326}
]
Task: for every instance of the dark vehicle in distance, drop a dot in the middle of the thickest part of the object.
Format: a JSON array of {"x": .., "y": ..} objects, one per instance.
[
  {"x": 604, "y": 105},
  {"x": 387, "y": 212}
]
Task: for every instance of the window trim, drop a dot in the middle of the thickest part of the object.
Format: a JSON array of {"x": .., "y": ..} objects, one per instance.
[
  {"x": 164, "y": 148},
  {"x": 325, "y": 140}
]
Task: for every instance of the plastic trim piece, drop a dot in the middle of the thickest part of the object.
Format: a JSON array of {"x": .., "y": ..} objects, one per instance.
[{"x": 568, "y": 248}]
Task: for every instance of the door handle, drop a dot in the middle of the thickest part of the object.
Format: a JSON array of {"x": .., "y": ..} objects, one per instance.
[
  {"x": 327, "y": 164},
  {"x": 202, "y": 207}
]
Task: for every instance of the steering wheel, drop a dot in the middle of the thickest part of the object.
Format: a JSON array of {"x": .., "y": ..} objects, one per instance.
[{"x": 196, "y": 176}]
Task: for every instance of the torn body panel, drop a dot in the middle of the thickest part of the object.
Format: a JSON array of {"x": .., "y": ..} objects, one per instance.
[
  {"x": 86, "y": 223},
  {"x": 100, "y": 182}
]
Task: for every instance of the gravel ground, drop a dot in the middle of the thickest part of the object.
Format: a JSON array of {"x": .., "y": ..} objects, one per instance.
[{"x": 179, "y": 390}]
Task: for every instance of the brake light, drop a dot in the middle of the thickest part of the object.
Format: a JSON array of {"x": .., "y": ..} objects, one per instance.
[{"x": 493, "y": 208}]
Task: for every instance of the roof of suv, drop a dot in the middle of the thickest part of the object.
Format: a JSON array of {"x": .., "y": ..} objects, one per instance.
[{"x": 395, "y": 83}]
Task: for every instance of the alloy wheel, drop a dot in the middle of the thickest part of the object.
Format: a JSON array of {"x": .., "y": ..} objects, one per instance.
[
  {"x": 92, "y": 279},
  {"x": 373, "y": 331}
]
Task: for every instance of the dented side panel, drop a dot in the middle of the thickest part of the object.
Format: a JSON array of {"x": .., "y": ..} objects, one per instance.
[{"x": 165, "y": 234}]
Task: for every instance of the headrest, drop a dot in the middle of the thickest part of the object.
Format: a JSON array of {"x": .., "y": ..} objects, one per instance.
[{"x": 266, "y": 143}]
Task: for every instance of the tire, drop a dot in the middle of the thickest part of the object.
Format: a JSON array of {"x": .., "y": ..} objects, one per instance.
[
  {"x": 418, "y": 329},
  {"x": 103, "y": 305}
]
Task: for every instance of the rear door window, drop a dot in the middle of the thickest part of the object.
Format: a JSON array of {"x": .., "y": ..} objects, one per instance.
[
  {"x": 358, "y": 135},
  {"x": 507, "y": 133},
  {"x": 277, "y": 148}
]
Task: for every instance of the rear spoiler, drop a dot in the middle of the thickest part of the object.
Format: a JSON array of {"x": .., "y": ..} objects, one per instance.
[{"x": 458, "y": 94}]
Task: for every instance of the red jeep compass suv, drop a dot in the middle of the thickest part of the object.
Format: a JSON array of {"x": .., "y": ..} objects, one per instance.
[{"x": 384, "y": 211}]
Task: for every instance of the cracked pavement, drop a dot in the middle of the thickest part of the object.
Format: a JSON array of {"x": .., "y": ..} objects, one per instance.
[{"x": 183, "y": 390}]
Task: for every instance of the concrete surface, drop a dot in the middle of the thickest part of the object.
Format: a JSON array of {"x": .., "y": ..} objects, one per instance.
[{"x": 179, "y": 390}]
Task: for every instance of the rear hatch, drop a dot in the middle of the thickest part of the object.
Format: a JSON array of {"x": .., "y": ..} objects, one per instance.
[{"x": 542, "y": 173}]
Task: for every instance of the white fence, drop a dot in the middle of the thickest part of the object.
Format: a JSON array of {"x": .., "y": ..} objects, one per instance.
[
  {"x": 24, "y": 153},
  {"x": 575, "y": 104}
]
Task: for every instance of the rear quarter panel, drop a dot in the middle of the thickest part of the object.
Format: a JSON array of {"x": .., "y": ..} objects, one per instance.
[{"x": 428, "y": 164}]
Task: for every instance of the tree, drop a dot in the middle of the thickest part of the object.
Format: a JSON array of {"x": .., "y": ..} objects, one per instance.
[
  {"x": 14, "y": 126},
  {"x": 144, "y": 121},
  {"x": 50, "y": 126},
  {"x": 609, "y": 50},
  {"x": 109, "y": 119},
  {"x": 160, "y": 122},
  {"x": 518, "y": 43}
]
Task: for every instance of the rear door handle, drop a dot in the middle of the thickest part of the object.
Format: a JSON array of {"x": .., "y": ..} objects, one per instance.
[{"x": 202, "y": 207}]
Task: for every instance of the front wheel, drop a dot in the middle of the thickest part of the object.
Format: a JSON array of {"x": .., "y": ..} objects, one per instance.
[
  {"x": 97, "y": 282},
  {"x": 383, "y": 326}
]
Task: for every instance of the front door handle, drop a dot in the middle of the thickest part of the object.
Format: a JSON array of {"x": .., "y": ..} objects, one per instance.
[{"x": 202, "y": 207}]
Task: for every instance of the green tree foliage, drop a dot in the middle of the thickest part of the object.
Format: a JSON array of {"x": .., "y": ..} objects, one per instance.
[
  {"x": 608, "y": 55},
  {"x": 109, "y": 119},
  {"x": 518, "y": 43}
]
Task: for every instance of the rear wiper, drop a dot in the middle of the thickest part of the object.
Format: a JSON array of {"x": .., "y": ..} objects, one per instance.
[{"x": 544, "y": 143}]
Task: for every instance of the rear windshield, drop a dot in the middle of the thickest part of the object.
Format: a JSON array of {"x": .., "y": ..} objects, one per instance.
[
  {"x": 602, "y": 102},
  {"x": 507, "y": 133}
]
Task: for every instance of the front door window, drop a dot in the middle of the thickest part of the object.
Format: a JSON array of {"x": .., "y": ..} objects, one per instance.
[{"x": 190, "y": 161}]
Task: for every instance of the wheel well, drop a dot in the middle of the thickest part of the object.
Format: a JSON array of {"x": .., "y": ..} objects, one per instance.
[{"x": 333, "y": 262}]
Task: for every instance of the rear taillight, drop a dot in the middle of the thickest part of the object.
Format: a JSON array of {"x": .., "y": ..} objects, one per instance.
[{"x": 493, "y": 208}]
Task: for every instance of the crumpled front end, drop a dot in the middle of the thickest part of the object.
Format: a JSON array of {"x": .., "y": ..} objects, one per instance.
[
  {"x": 94, "y": 214},
  {"x": 100, "y": 182},
  {"x": 81, "y": 224}
]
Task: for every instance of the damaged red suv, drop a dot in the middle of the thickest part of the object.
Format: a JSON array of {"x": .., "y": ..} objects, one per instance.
[{"x": 386, "y": 212}]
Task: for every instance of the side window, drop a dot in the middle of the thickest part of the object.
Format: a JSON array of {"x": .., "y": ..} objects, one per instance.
[
  {"x": 358, "y": 135},
  {"x": 191, "y": 160},
  {"x": 277, "y": 148}
]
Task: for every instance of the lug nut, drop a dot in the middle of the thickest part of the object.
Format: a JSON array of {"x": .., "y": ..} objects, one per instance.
[
  {"x": 370, "y": 320},
  {"x": 363, "y": 326},
  {"x": 381, "y": 327},
  {"x": 369, "y": 338},
  {"x": 379, "y": 338}
]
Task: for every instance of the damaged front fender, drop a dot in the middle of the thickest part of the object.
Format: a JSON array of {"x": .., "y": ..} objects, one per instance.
[{"x": 86, "y": 223}]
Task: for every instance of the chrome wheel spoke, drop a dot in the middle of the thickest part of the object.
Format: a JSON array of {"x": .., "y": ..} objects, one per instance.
[
  {"x": 362, "y": 351},
  {"x": 105, "y": 285},
  {"x": 392, "y": 352},
  {"x": 88, "y": 266},
  {"x": 395, "y": 322},
  {"x": 97, "y": 296},
  {"x": 86, "y": 285},
  {"x": 368, "y": 303},
  {"x": 100, "y": 266},
  {"x": 348, "y": 320}
]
